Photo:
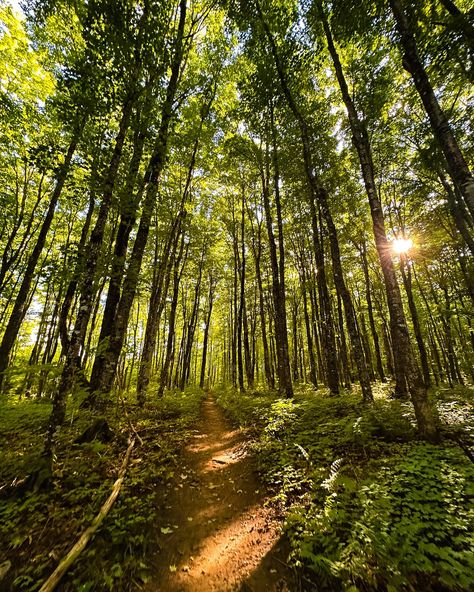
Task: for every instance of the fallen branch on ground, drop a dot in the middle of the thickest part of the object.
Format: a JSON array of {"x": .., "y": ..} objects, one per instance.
[
  {"x": 81, "y": 544},
  {"x": 129, "y": 421}
]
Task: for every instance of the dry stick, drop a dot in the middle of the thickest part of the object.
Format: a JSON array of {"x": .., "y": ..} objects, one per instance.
[
  {"x": 77, "y": 549},
  {"x": 129, "y": 421}
]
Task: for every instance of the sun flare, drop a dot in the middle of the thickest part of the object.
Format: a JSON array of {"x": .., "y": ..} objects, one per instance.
[{"x": 402, "y": 245}]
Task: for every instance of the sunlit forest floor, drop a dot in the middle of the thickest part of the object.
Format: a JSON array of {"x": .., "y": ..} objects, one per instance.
[
  {"x": 361, "y": 502},
  {"x": 222, "y": 535}
]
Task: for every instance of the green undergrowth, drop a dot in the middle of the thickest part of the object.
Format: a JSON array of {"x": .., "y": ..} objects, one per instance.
[
  {"x": 367, "y": 505},
  {"x": 37, "y": 529}
]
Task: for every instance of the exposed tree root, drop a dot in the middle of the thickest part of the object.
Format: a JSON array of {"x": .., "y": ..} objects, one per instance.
[
  {"x": 40, "y": 478},
  {"x": 99, "y": 430}
]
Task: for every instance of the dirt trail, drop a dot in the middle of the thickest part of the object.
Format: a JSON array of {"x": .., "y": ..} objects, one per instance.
[{"x": 216, "y": 535}]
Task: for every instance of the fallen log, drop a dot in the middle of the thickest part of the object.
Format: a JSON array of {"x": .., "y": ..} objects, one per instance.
[{"x": 81, "y": 543}]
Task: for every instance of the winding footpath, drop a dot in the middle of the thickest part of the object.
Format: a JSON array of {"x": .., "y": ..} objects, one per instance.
[{"x": 216, "y": 533}]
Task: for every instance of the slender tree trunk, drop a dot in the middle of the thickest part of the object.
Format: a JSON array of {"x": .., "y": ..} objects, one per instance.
[
  {"x": 368, "y": 296},
  {"x": 233, "y": 328},
  {"x": 351, "y": 321},
  {"x": 263, "y": 323},
  {"x": 281, "y": 323},
  {"x": 309, "y": 336},
  {"x": 294, "y": 328},
  {"x": 78, "y": 272},
  {"x": 407, "y": 282},
  {"x": 155, "y": 168},
  {"x": 345, "y": 369},
  {"x": 406, "y": 368},
  {"x": 449, "y": 336},
  {"x": 442, "y": 131},
  {"x": 206, "y": 331},
  {"x": 168, "y": 361},
  {"x": 238, "y": 286},
  {"x": 19, "y": 308},
  {"x": 26, "y": 387},
  {"x": 12, "y": 256},
  {"x": 459, "y": 216},
  {"x": 281, "y": 334},
  {"x": 366, "y": 345},
  {"x": 86, "y": 301},
  {"x": 243, "y": 305},
  {"x": 313, "y": 185},
  {"x": 240, "y": 356},
  {"x": 127, "y": 221},
  {"x": 191, "y": 328},
  {"x": 159, "y": 291}
]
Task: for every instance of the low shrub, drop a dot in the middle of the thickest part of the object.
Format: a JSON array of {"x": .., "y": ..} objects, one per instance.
[{"x": 367, "y": 505}]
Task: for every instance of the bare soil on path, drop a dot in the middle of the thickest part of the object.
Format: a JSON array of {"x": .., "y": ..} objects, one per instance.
[{"x": 216, "y": 534}]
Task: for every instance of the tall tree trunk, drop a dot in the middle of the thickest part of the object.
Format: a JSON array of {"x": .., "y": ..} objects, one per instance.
[
  {"x": 238, "y": 288},
  {"x": 442, "y": 131},
  {"x": 313, "y": 185},
  {"x": 233, "y": 327},
  {"x": 257, "y": 252},
  {"x": 168, "y": 361},
  {"x": 281, "y": 334},
  {"x": 368, "y": 297},
  {"x": 19, "y": 308},
  {"x": 449, "y": 336},
  {"x": 345, "y": 366},
  {"x": 159, "y": 291},
  {"x": 212, "y": 286},
  {"x": 309, "y": 336},
  {"x": 191, "y": 328},
  {"x": 154, "y": 170},
  {"x": 243, "y": 305},
  {"x": 407, "y": 282},
  {"x": 86, "y": 301},
  {"x": 406, "y": 367},
  {"x": 77, "y": 273},
  {"x": 350, "y": 315},
  {"x": 294, "y": 328},
  {"x": 366, "y": 345},
  {"x": 128, "y": 210}
]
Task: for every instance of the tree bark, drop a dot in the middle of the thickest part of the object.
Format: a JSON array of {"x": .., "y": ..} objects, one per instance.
[
  {"x": 368, "y": 296},
  {"x": 257, "y": 253},
  {"x": 78, "y": 271},
  {"x": 313, "y": 185},
  {"x": 212, "y": 286},
  {"x": 351, "y": 321},
  {"x": 309, "y": 337},
  {"x": 156, "y": 305},
  {"x": 407, "y": 282},
  {"x": 168, "y": 361},
  {"x": 442, "y": 131},
  {"x": 154, "y": 170},
  {"x": 406, "y": 368},
  {"x": 191, "y": 328},
  {"x": 285, "y": 386},
  {"x": 86, "y": 301},
  {"x": 127, "y": 221},
  {"x": 19, "y": 308}
]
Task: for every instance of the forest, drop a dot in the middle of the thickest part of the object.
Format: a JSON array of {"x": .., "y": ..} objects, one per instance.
[{"x": 237, "y": 295}]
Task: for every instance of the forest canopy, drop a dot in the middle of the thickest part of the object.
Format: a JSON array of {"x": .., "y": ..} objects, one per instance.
[{"x": 265, "y": 205}]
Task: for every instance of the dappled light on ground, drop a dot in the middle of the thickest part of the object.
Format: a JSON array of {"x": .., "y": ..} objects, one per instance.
[{"x": 218, "y": 535}]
